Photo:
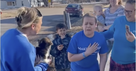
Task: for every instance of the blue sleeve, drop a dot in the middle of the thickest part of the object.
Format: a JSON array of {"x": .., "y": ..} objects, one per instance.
[
  {"x": 101, "y": 19},
  {"x": 110, "y": 32},
  {"x": 72, "y": 48},
  {"x": 104, "y": 47},
  {"x": 41, "y": 67},
  {"x": 26, "y": 63},
  {"x": 54, "y": 51}
]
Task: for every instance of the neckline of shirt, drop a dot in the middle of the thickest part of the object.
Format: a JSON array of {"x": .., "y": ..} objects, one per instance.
[{"x": 22, "y": 33}]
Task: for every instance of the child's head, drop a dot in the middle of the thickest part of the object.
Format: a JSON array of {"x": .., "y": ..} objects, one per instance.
[
  {"x": 89, "y": 24},
  {"x": 98, "y": 10},
  {"x": 61, "y": 29}
]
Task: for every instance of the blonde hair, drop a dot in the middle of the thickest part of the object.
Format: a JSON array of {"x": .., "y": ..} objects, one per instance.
[
  {"x": 27, "y": 16},
  {"x": 96, "y": 7}
]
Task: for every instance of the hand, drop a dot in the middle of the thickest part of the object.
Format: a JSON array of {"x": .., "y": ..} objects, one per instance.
[
  {"x": 38, "y": 59},
  {"x": 60, "y": 47},
  {"x": 91, "y": 49},
  {"x": 129, "y": 35}
]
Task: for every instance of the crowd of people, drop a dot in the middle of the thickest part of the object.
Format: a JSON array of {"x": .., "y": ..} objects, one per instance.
[{"x": 76, "y": 53}]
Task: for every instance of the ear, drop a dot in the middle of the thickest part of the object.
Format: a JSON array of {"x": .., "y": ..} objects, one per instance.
[
  {"x": 96, "y": 24},
  {"x": 33, "y": 26}
]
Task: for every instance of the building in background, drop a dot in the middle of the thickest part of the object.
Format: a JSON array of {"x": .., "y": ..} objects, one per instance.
[{"x": 8, "y": 4}]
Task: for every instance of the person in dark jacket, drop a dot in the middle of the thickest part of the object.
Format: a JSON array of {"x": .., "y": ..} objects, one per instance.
[{"x": 59, "y": 47}]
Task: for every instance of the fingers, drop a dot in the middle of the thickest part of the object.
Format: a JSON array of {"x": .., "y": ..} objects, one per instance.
[
  {"x": 131, "y": 34},
  {"x": 95, "y": 45},
  {"x": 127, "y": 34},
  {"x": 89, "y": 45},
  {"x": 60, "y": 47},
  {"x": 128, "y": 29}
]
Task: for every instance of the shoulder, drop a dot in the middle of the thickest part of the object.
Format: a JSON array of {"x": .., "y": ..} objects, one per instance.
[
  {"x": 99, "y": 35},
  {"x": 10, "y": 31},
  {"x": 56, "y": 36},
  {"x": 100, "y": 17},
  {"x": 120, "y": 18},
  {"x": 68, "y": 36},
  {"x": 107, "y": 10},
  {"x": 78, "y": 34},
  {"x": 121, "y": 7},
  {"x": 25, "y": 45},
  {"x": 56, "y": 39}
]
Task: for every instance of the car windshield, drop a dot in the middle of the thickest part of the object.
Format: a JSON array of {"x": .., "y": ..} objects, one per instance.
[{"x": 72, "y": 6}]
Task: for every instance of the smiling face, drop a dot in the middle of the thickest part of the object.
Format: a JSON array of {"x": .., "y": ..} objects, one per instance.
[
  {"x": 61, "y": 32},
  {"x": 89, "y": 25},
  {"x": 130, "y": 12}
]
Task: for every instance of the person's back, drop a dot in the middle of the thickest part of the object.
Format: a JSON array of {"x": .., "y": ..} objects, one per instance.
[{"x": 11, "y": 56}]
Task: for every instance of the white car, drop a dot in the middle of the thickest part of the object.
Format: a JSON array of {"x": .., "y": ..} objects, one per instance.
[{"x": 41, "y": 4}]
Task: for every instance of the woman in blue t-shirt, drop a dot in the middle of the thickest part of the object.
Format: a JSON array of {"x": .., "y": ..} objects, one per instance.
[
  {"x": 124, "y": 34},
  {"x": 17, "y": 53},
  {"x": 84, "y": 46}
]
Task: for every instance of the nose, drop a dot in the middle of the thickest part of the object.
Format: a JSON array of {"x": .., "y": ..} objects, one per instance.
[
  {"x": 88, "y": 25},
  {"x": 126, "y": 13}
]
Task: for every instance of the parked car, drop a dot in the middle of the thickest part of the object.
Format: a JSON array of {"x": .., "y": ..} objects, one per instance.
[{"x": 74, "y": 10}]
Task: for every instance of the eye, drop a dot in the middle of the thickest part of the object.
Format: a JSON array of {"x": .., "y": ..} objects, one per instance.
[
  {"x": 90, "y": 23},
  {"x": 86, "y": 23}
]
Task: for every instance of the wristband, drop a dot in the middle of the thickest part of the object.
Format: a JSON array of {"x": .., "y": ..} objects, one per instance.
[{"x": 84, "y": 54}]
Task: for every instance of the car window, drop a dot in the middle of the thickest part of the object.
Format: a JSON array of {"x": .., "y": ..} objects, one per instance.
[{"x": 72, "y": 6}]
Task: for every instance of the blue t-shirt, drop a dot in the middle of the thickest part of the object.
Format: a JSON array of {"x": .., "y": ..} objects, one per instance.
[
  {"x": 79, "y": 43},
  {"x": 123, "y": 51}
]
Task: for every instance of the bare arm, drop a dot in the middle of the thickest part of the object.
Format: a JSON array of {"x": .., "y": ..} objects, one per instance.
[
  {"x": 103, "y": 59},
  {"x": 75, "y": 57}
]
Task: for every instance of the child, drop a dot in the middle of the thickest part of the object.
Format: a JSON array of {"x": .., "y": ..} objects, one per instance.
[
  {"x": 84, "y": 47},
  {"x": 43, "y": 51},
  {"x": 98, "y": 12},
  {"x": 58, "y": 50}
]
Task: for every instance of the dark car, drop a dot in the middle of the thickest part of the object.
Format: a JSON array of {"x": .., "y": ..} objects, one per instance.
[{"x": 74, "y": 10}]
